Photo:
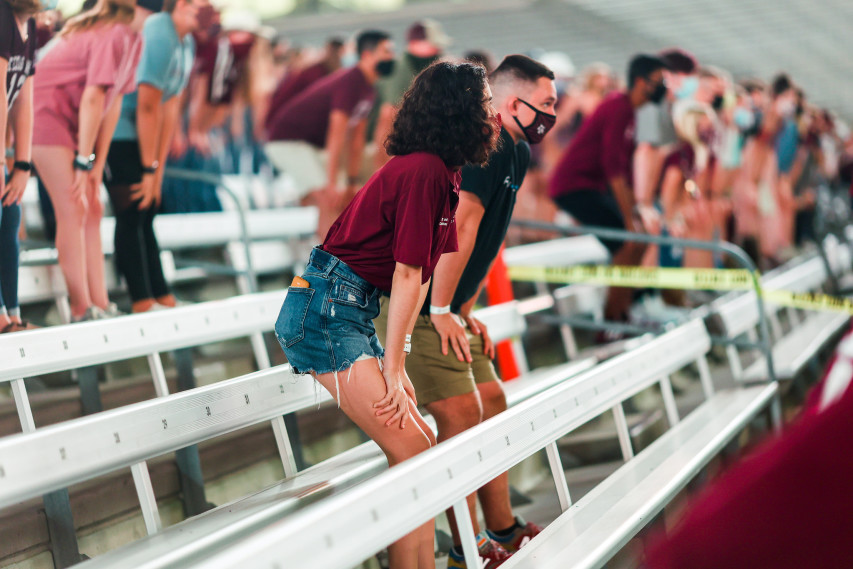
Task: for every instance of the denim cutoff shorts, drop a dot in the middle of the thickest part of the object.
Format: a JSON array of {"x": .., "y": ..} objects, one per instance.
[{"x": 329, "y": 326}]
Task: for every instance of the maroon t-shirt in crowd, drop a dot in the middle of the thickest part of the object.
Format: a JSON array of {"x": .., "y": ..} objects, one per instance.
[
  {"x": 293, "y": 84},
  {"x": 306, "y": 116},
  {"x": 20, "y": 55},
  {"x": 602, "y": 149},
  {"x": 785, "y": 506},
  {"x": 224, "y": 61},
  {"x": 405, "y": 213}
]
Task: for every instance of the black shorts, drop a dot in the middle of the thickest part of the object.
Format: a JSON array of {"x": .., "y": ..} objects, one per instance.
[
  {"x": 124, "y": 165},
  {"x": 599, "y": 209}
]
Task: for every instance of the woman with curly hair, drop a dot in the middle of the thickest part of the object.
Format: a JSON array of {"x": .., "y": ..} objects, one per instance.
[{"x": 388, "y": 241}]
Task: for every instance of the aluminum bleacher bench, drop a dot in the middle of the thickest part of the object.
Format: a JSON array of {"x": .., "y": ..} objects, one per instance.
[
  {"x": 60, "y": 348},
  {"x": 273, "y": 235},
  {"x": 342, "y": 530},
  {"x": 791, "y": 352},
  {"x": 81, "y": 449}
]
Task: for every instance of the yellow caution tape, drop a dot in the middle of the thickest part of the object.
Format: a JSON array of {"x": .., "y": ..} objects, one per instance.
[
  {"x": 638, "y": 277},
  {"x": 674, "y": 278},
  {"x": 809, "y": 301}
]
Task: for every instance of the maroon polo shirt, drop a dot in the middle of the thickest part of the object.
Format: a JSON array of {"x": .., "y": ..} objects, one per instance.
[
  {"x": 405, "y": 213},
  {"x": 306, "y": 116},
  {"x": 602, "y": 149}
]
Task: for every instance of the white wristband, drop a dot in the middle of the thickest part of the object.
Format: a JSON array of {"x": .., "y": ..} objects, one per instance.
[
  {"x": 407, "y": 347},
  {"x": 408, "y": 338},
  {"x": 439, "y": 309}
]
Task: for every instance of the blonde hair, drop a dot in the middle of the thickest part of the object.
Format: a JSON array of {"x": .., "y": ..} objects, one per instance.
[
  {"x": 25, "y": 7},
  {"x": 593, "y": 70},
  {"x": 686, "y": 118},
  {"x": 105, "y": 12}
]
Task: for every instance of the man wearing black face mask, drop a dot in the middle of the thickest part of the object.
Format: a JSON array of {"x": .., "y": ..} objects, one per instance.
[
  {"x": 450, "y": 364},
  {"x": 593, "y": 180},
  {"x": 425, "y": 44},
  {"x": 311, "y": 133}
]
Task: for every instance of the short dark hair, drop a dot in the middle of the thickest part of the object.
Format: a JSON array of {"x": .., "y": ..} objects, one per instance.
[
  {"x": 643, "y": 65},
  {"x": 781, "y": 83},
  {"x": 523, "y": 68},
  {"x": 679, "y": 60},
  {"x": 335, "y": 42},
  {"x": 169, "y": 6},
  {"x": 753, "y": 85},
  {"x": 479, "y": 57},
  {"x": 445, "y": 112},
  {"x": 369, "y": 39}
]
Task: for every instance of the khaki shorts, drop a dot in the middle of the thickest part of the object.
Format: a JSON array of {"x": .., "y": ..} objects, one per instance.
[
  {"x": 304, "y": 163},
  {"x": 434, "y": 375}
]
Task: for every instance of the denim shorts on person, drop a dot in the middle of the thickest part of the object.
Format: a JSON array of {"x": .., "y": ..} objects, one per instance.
[{"x": 328, "y": 326}]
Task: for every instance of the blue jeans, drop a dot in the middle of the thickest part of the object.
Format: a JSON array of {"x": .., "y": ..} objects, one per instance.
[
  {"x": 10, "y": 249},
  {"x": 328, "y": 326}
]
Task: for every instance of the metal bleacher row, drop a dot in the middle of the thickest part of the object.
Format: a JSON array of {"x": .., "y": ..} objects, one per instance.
[{"x": 346, "y": 508}]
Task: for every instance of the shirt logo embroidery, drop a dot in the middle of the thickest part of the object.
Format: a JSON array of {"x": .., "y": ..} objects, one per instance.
[
  {"x": 509, "y": 185},
  {"x": 444, "y": 222}
]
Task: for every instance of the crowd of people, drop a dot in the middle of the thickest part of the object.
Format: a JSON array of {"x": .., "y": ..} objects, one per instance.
[{"x": 416, "y": 161}]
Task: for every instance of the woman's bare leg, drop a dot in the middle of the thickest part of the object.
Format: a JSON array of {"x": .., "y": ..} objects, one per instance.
[
  {"x": 54, "y": 164},
  {"x": 360, "y": 387},
  {"x": 426, "y": 551},
  {"x": 94, "y": 249}
]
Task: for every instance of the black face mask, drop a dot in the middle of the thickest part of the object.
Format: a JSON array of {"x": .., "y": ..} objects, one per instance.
[
  {"x": 385, "y": 67},
  {"x": 717, "y": 103},
  {"x": 542, "y": 123},
  {"x": 421, "y": 63},
  {"x": 658, "y": 93}
]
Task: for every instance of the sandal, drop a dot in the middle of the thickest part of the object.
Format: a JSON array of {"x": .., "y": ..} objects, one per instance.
[{"x": 18, "y": 327}]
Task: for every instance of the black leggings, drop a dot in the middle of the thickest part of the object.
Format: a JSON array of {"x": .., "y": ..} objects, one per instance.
[{"x": 137, "y": 254}]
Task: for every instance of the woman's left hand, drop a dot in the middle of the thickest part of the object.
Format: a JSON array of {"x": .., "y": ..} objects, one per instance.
[{"x": 16, "y": 187}]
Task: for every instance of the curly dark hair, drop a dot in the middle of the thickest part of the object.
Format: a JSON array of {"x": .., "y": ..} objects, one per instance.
[{"x": 445, "y": 112}]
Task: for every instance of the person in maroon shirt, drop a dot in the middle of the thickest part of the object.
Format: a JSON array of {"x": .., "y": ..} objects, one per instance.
[
  {"x": 593, "y": 180},
  {"x": 295, "y": 83},
  {"x": 784, "y": 506},
  {"x": 388, "y": 241},
  {"x": 310, "y": 135},
  {"x": 17, "y": 66}
]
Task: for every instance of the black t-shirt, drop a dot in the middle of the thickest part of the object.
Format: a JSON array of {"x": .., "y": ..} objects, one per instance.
[
  {"x": 496, "y": 184},
  {"x": 19, "y": 54}
]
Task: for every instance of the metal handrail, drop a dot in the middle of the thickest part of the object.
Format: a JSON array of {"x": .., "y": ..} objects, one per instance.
[
  {"x": 716, "y": 246},
  {"x": 217, "y": 181}
]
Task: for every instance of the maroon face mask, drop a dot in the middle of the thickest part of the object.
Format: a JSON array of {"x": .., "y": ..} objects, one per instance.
[{"x": 540, "y": 126}]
